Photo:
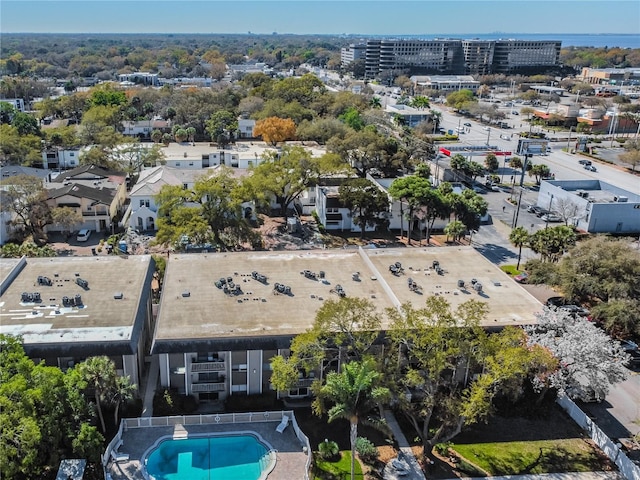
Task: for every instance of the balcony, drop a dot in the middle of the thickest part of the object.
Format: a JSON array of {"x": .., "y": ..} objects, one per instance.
[
  {"x": 95, "y": 213},
  {"x": 208, "y": 387},
  {"x": 304, "y": 382},
  {"x": 217, "y": 366}
]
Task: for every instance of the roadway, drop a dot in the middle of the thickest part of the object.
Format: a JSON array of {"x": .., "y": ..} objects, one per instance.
[{"x": 564, "y": 165}]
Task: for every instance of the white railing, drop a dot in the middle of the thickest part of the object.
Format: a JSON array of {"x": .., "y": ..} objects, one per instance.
[
  {"x": 207, "y": 366},
  {"x": 208, "y": 387},
  {"x": 117, "y": 440},
  {"x": 217, "y": 419},
  {"x": 627, "y": 468}
]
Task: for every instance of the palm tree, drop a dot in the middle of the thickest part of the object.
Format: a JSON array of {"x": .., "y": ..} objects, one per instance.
[
  {"x": 100, "y": 374},
  {"x": 455, "y": 229},
  {"x": 519, "y": 237},
  {"x": 122, "y": 390},
  {"x": 354, "y": 393}
]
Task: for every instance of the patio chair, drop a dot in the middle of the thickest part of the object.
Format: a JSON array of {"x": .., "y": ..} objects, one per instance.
[{"x": 283, "y": 424}]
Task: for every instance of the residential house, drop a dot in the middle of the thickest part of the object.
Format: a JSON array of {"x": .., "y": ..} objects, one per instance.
[
  {"x": 55, "y": 158},
  {"x": 143, "y": 128},
  {"x": 245, "y": 127},
  {"x": 142, "y": 213},
  {"x": 98, "y": 194}
]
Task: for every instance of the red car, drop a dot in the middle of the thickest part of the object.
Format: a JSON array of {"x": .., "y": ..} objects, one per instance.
[{"x": 522, "y": 278}]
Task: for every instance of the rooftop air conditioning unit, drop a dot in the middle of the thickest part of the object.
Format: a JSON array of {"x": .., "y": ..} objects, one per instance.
[{"x": 620, "y": 199}]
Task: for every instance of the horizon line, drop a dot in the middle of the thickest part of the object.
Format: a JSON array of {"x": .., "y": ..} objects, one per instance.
[{"x": 311, "y": 33}]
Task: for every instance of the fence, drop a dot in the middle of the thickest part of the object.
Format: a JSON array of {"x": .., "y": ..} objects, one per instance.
[
  {"x": 212, "y": 419},
  {"x": 628, "y": 469}
]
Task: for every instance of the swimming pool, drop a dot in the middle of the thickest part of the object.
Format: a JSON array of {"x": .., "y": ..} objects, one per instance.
[{"x": 226, "y": 456}]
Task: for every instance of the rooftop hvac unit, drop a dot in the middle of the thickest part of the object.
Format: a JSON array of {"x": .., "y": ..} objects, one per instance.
[
  {"x": 118, "y": 295},
  {"x": 620, "y": 199},
  {"x": 82, "y": 283}
]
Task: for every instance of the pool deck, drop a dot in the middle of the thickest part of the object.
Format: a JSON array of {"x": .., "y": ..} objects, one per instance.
[{"x": 290, "y": 459}]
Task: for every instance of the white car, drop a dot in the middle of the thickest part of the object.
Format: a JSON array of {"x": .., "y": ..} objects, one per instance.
[{"x": 83, "y": 235}]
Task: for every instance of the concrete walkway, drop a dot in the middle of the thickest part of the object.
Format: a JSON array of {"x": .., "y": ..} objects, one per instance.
[
  {"x": 555, "y": 476},
  {"x": 150, "y": 384},
  {"x": 406, "y": 455}
]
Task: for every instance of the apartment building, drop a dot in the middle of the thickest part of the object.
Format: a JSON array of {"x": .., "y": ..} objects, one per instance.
[
  {"x": 223, "y": 316},
  {"x": 67, "y": 309}
]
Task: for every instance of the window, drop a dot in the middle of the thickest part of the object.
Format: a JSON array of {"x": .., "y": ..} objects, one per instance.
[
  {"x": 144, "y": 203},
  {"x": 185, "y": 186}
]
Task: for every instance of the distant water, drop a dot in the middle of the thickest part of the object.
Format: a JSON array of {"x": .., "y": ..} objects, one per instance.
[{"x": 568, "y": 39}]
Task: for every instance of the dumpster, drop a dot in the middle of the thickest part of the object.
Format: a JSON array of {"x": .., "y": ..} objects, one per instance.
[{"x": 122, "y": 246}]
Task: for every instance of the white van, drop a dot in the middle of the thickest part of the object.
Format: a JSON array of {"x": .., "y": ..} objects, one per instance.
[{"x": 83, "y": 235}]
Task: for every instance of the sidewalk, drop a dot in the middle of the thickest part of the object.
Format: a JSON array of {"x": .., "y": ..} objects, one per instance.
[
  {"x": 405, "y": 455},
  {"x": 150, "y": 384},
  {"x": 555, "y": 476}
]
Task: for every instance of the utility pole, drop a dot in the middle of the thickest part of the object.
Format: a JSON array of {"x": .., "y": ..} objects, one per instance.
[{"x": 569, "y": 140}]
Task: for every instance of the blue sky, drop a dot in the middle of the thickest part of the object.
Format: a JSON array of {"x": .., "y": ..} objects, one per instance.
[{"x": 392, "y": 17}]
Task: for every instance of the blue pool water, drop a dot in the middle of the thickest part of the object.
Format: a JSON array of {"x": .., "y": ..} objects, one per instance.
[{"x": 231, "y": 457}]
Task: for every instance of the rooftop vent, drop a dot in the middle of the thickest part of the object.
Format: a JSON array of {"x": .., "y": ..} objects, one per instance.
[{"x": 118, "y": 295}]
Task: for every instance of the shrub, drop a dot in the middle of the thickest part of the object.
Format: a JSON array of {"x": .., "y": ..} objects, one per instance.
[
  {"x": 443, "y": 448},
  {"x": 366, "y": 449},
  {"x": 541, "y": 272},
  {"x": 328, "y": 449}
]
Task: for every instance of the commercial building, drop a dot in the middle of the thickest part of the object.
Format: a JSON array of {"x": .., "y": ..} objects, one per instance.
[
  {"x": 413, "y": 56},
  {"x": 222, "y": 317},
  {"x": 592, "y": 205},
  {"x": 352, "y": 53},
  {"x": 67, "y": 309},
  {"x": 443, "y": 83},
  {"x": 459, "y": 57}
]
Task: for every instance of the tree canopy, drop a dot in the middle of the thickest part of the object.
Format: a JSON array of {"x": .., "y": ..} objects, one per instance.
[
  {"x": 42, "y": 412},
  {"x": 366, "y": 201}
]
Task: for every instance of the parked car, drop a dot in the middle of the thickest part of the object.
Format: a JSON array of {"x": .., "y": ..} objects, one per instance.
[
  {"x": 575, "y": 310},
  {"x": 466, "y": 124},
  {"x": 521, "y": 278},
  {"x": 551, "y": 217},
  {"x": 83, "y": 235},
  {"x": 485, "y": 128},
  {"x": 591, "y": 168},
  {"x": 540, "y": 212},
  {"x": 555, "y": 301}
]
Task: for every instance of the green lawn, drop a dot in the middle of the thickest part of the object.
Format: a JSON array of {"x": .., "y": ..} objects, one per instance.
[
  {"x": 340, "y": 469},
  {"x": 530, "y": 457},
  {"x": 510, "y": 269}
]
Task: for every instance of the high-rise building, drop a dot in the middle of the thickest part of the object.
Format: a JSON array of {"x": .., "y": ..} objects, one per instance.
[
  {"x": 458, "y": 57},
  {"x": 524, "y": 56}
]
